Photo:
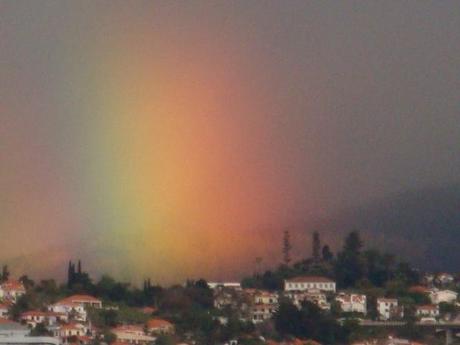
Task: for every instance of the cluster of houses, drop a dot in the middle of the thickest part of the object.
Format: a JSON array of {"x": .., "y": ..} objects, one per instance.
[
  {"x": 68, "y": 323},
  {"x": 67, "y": 319},
  {"x": 258, "y": 305}
]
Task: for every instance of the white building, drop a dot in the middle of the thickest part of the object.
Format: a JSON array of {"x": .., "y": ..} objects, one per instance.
[
  {"x": 70, "y": 310},
  {"x": 352, "y": 303},
  {"x": 444, "y": 278},
  {"x": 232, "y": 285},
  {"x": 430, "y": 310},
  {"x": 388, "y": 308},
  {"x": 71, "y": 330},
  {"x": 133, "y": 334},
  {"x": 314, "y": 296},
  {"x": 265, "y": 297},
  {"x": 305, "y": 283},
  {"x": 34, "y": 317},
  {"x": 261, "y": 312},
  {"x": 439, "y": 296}
]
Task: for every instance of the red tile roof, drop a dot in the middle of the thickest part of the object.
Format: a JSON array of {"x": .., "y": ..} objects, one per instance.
[
  {"x": 128, "y": 328},
  {"x": 158, "y": 323},
  {"x": 419, "y": 289},
  {"x": 13, "y": 285},
  {"x": 310, "y": 279},
  {"x": 428, "y": 307},
  {"x": 148, "y": 310},
  {"x": 34, "y": 313},
  {"x": 81, "y": 299}
]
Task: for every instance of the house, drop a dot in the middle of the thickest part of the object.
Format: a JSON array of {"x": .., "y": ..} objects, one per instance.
[
  {"x": 132, "y": 334},
  {"x": 314, "y": 296},
  {"x": 352, "y": 303},
  {"x": 71, "y": 310},
  {"x": 55, "y": 318},
  {"x": 444, "y": 278},
  {"x": 261, "y": 312},
  {"x": 4, "y": 310},
  {"x": 388, "y": 308},
  {"x": 319, "y": 298},
  {"x": 71, "y": 330},
  {"x": 74, "y": 306},
  {"x": 11, "y": 290},
  {"x": 33, "y": 317},
  {"x": 84, "y": 300},
  {"x": 305, "y": 283},
  {"x": 265, "y": 297},
  {"x": 232, "y": 285},
  {"x": 389, "y": 341},
  {"x": 160, "y": 326},
  {"x": 223, "y": 298},
  {"x": 439, "y": 296},
  {"x": 430, "y": 310}
]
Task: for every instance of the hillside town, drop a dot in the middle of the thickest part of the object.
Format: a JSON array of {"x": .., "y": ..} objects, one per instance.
[{"x": 278, "y": 307}]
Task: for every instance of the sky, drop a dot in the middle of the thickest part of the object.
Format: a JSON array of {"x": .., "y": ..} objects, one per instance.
[{"x": 171, "y": 139}]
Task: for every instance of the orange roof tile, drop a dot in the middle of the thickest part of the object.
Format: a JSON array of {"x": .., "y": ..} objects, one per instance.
[
  {"x": 81, "y": 298},
  {"x": 310, "y": 279},
  {"x": 158, "y": 323}
]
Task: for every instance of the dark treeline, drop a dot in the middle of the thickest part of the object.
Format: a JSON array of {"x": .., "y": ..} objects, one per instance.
[{"x": 352, "y": 267}]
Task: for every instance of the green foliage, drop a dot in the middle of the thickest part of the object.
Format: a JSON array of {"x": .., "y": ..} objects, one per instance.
[
  {"x": 28, "y": 301},
  {"x": 286, "y": 248},
  {"x": 353, "y": 268},
  {"x": 448, "y": 308},
  {"x": 106, "y": 318},
  {"x": 316, "y": 246},
  {"x": 40, "y": 330},
  {"x": 327, "y": 254},
  {"x": 350, "y": 265},
  {"x": 308, "y": 322},
  {"x": 251, "y": 341},
  {"x": 109, "y": 337},
  {"x": 165, "y": 340},
  {"x": 5, "y": 274},
  {"x": 27, "y": 282}
]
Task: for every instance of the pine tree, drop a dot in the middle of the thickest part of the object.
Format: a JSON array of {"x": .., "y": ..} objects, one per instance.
[
  {"x": 326, "y": 253},
  {"x": 5, "y": 274},
  {"x": 70, "y": 275},
  {"x": 286, "y": 247},
  {"x": 316, "y": 247}
]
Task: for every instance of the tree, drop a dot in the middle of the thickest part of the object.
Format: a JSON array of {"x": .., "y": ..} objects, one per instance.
[
  {"x": 164, "y": 340},
  {"x": 288, "y": 319},
  {"x": 40, "y": 330},
  {"x": 316, "y": 246},
  {"x": 109, "y": 337},
  {"x": 327, "y": 254},
  {"x": 5, "y": 274},
  {"x": 350, "y": 266},
  {"x": 70, "y": 274},
  {"x": 26, "y": 281},
  {"x": 286, "y": 248}
]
